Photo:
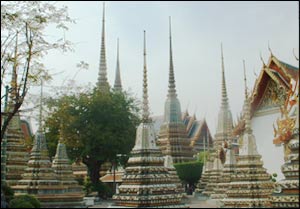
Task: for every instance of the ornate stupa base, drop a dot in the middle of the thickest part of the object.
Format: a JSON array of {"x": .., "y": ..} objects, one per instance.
[
  {"x": 247, "y": 203},
  {"x": 217, "y": 196},
  {"x": 147, "y": 182},
  {"x": 53, "y": 196},
  {"x": 61, "y": 201},
  {"x": 16, "y": 153},
  {"x": 73, "y": 194},
  {"x": 287, "y": 196},
  {"x": 285, "y": 201},
  {"x": 202, "y": 184},
  {"x": 214, "y": 180},
  {"x": 169, "y": 206}
]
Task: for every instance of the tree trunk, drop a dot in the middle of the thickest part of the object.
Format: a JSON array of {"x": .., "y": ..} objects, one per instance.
[
  {"x": 93, "y": 168},
  {"x": 8, "y": 117},
  {"x": 94, "y": 173}
]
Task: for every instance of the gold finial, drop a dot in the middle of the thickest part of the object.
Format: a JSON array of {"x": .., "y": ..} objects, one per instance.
[
  {"x": 187, "y": 107},
  {"x": 262, "y": 59},
  {"x": 254, "y": 72},
  {"x": 274, "y": 130},
  {"x": 269, "y": 48},
  {"x": 222, "y": 57},
  {"x": 103, "y": 17}
]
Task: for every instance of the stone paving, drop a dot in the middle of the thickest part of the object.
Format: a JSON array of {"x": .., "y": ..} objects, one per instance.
[{"x": 192, "y": 202}]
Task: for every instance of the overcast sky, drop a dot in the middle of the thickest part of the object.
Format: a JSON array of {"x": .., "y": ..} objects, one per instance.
[{"x": 198, "y": 28}]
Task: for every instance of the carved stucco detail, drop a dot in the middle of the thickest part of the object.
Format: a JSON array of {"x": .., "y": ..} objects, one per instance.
[{"x": 274, "y": 95}]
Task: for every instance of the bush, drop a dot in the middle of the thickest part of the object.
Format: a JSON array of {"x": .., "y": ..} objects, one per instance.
[
  {"x": 87, "y": 186},
  {"x": 189, "y": 172},
  {"x": 25, "y": 201},
  {"x": 104, "y": 191},
  {"x": 18, "y": 203},
  {"x": 8, "y": 193},
  {"x": 80, "y": 181}
]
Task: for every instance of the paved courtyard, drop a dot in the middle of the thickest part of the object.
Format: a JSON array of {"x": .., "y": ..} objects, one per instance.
[{"x": 192, "y": 202}]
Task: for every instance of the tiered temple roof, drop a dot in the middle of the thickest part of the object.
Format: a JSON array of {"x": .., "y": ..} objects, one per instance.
[
  {"x": 270, "y": 89},
  {"x": 146, "y": 182},
  {"x": 173, "y": 138},
  {"x": 277, "y": 72},
  {"x": 110, "y": 177},
  {"x": 198, "y": 132},
  {"x": 79, "y": 169}
]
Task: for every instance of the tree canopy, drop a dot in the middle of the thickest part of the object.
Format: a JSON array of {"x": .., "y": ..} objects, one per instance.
[
  {"x": 94, "y": 126},
  {"x": 189, "y": 172},
  {"x": 23, "y": 43}
]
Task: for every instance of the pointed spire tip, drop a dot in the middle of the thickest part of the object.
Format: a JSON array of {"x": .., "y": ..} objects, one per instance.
[
  {"x": 145, "y": 86},
  {"x": 172, "y": 89}
]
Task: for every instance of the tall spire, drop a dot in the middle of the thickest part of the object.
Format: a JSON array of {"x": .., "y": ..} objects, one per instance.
[
  {"x": 118, "y": 84},
  {"x": 247, "y": 106},
  {"x": 14, "y": 79},
  {"x": 224, "y": 92},
  {"x": 172, "y": 135},
  {"x": 245, "y": 80},
  {"x": 172, "y": 90},
  {"x": 225, "y": 123},
  {"x": 145, "y": 85},
  {"x": 102, "y": 76},
  {"x": 61, "y": 135}
]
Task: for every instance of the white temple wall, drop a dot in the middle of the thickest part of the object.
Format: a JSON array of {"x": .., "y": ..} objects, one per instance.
[{"x": 272, "y": 155}]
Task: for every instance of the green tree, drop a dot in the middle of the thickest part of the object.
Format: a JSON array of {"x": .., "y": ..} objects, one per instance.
[
  {"x": 95, "y": 126},
  {"x": 25, "y": 201},
  {"x": 23, "y": 43},
  {"x": 189, "y": 172},
  {"x": 8, "y": 192}
]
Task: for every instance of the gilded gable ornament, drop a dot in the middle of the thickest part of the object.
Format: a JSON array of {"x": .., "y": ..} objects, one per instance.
[
  {"x": 285, "y": 127},
  {"x": 275, "y": 95}
]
